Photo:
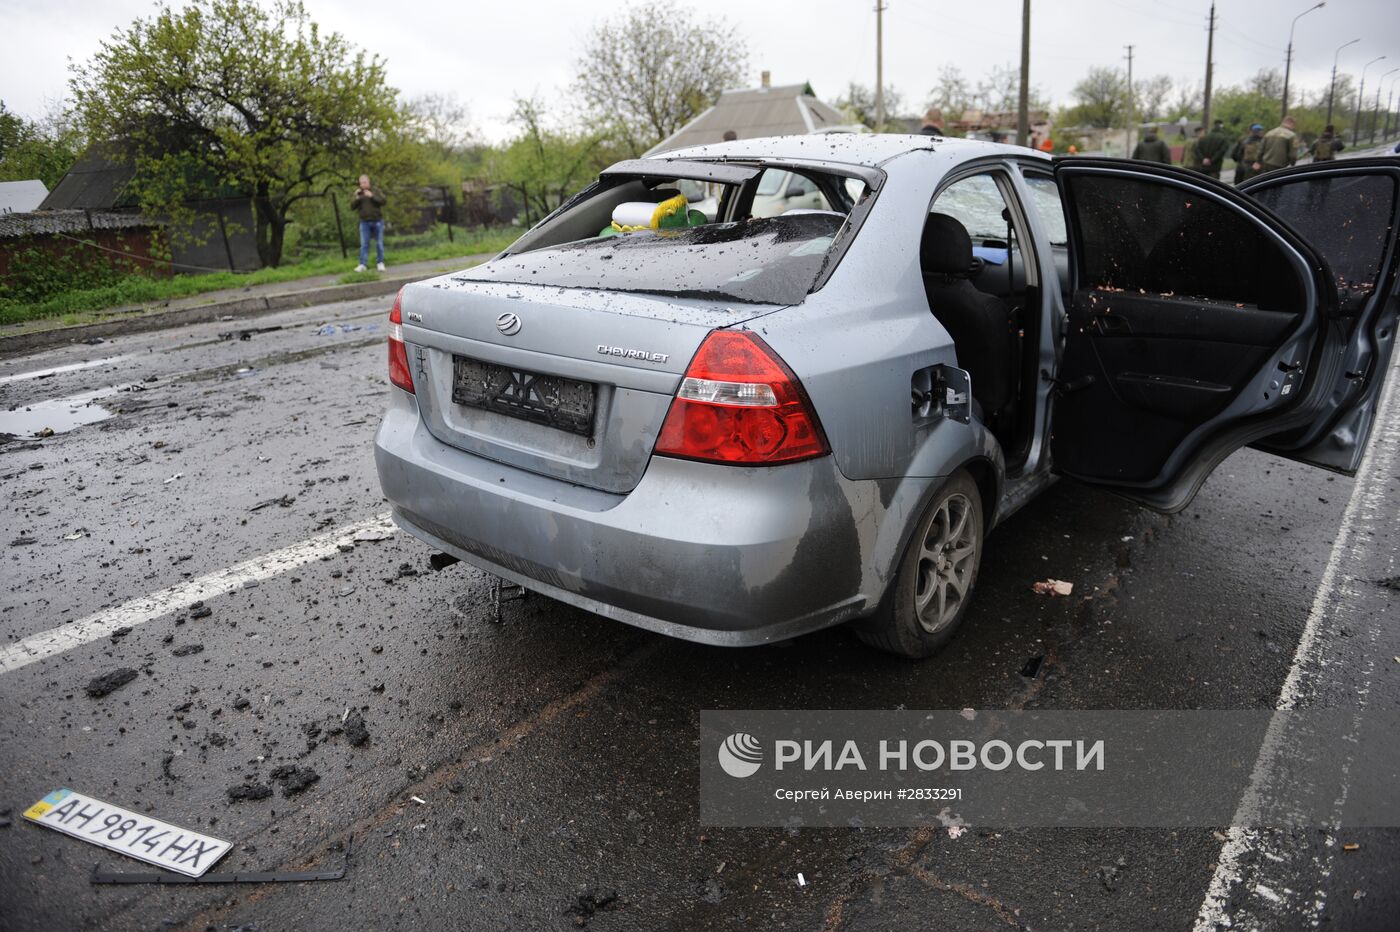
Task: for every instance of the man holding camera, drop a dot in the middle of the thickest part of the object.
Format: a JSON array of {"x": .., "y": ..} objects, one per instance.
[{"x": 368, "y": 203}]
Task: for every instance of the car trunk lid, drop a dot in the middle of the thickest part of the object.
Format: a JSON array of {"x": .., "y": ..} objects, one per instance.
[{"x": 564, "y": 382}]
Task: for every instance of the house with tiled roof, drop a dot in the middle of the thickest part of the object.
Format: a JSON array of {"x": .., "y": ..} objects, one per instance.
[{"x": 766, "y": 110}]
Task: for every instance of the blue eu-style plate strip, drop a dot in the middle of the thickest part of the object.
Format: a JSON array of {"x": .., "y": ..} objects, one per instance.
[
  {"x": 994, "y": 255},
  {"x": 57, "y": 796}
]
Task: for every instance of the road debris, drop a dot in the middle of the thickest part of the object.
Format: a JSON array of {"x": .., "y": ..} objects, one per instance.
[
  {"x": 356, "y": 731},
  {"x": 110, "y": 877},
  {"x": 100, "y": 686},
  {"x": 1053, "y": 587},
  {"x": 373, "y": 533},
  {"x": 801, "y": 881},
  {"x": 283, "y": 501},
  {"x": 178, "y": 475},
  {"x": 1351, "y": 846},
  {"x": 294, "y": 779},
  {"x": 1032, "y": 666},
  {"x": 441, "y": 561},
  {"x": 248, "y": 791},
  {"x": 590, "y": 901},
  {"x": 1109, "y": 874},
  {"x": 185, "y": 650}
]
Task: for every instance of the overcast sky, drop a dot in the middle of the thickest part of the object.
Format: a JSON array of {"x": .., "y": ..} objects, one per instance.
[{"x": 488, "y": 52}]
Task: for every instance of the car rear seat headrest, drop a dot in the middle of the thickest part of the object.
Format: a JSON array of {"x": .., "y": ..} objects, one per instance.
[{"x": 945, "y": 249}]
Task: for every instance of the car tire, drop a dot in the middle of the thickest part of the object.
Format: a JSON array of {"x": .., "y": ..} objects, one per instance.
[{"x": 936, "y": 578}]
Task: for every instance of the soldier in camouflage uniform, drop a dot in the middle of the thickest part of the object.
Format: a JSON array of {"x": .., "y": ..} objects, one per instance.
[
  {"x": 1326, "y": 147},
  {"x": 1280, "y": 146},
  {"x": 1247, "y": 153},
  {"x": 1213, "y": 149}
]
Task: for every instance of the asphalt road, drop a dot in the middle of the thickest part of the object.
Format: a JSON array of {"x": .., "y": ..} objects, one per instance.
[{"x": 554, "y": 753}]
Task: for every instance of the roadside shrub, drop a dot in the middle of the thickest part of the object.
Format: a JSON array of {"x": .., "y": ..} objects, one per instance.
[{"x": 37, "y": 274}]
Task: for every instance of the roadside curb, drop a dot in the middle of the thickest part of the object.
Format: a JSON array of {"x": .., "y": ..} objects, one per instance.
[{"x": 252, "y": 306}]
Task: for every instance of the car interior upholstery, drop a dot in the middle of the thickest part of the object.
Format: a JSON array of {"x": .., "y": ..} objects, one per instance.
[{"x": 980, "y": 324}]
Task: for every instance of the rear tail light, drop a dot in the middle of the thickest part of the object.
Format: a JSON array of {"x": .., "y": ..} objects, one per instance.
[
  {"x": 399, "y": 372},
  {"x": 739, "y": 403}
]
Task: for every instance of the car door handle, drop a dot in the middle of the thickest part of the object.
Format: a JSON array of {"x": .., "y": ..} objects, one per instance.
[{"x": 1111, "y": 325}]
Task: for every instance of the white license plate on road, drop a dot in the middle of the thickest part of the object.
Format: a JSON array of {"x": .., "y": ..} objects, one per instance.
[{"x": 131, "y": 833}]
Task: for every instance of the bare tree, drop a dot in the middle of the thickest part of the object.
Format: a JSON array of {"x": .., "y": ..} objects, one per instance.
[
  {"x": 1267, "y": 82},
  {"x": 655, "y": 67},
  {"x": 1152, "y": 95},
  {"x": 1000, "y": 90},
  {"x": 953, "y": 94},
  {"x": 1186, "y": 99},
  {"x": 443, "y": 122},
  {"x": 858, "y": 103}
]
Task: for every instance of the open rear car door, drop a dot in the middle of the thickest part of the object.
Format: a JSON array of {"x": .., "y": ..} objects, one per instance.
[
  {"x": 1198, "y": 322},
  {"x": 1349, "y": 210}
]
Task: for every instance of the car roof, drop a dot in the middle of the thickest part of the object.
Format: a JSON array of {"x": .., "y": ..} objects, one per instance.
[{"x": 869, "y": 149}]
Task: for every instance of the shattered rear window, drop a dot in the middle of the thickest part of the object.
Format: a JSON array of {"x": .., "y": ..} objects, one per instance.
[{"x": 773, "y": 260}]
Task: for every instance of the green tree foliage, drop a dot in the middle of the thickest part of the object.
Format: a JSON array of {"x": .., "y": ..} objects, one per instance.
[
  {"x": 648, "y": 72},
  {"x": 1100, "y": 100},
  {"x": 543, "y": 165},
  {"x": 43, "y": 149},
  {"x": 233, "y": 96}
]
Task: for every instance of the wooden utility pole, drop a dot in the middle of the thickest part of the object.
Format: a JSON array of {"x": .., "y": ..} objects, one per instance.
[
  {"x": 1210, "y": 70},
  {"x": 879, "y": 65},
  {"x": 1023, "y": 109},
  {"x": 1132, "y": 108}
]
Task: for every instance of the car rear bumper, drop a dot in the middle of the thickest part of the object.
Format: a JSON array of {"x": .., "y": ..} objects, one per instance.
[{"x": 716, "y": 554}]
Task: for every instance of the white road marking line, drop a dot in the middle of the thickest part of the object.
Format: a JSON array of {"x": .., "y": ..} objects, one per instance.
[
  {"x": 57, "y": 370},
  {"x": 140, "y": 610},
  {"x": 1366, "y": 504}
]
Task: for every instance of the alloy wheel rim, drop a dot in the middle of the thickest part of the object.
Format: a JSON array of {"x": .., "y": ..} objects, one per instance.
[{"x": 947, "y": 559}]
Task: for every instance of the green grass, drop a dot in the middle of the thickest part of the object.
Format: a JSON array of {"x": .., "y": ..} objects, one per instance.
[{"x": 77, "y": 305}]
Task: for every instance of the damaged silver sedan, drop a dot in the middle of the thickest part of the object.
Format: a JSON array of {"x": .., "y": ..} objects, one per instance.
[{"x": 736, "y": 429}]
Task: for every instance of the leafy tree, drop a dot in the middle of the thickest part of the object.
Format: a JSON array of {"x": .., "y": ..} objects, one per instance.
[
  {"x": 654, "y": 68},
  {"x": 229, "y": 95},
  {"x": 858, "y": 104},
  {"x": 1101, "y": 99},
  {"x": 43, "y": 149},
  {"x": 544, "y": 164}
]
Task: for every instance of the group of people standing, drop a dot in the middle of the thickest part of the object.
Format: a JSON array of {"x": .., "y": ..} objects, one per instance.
[{"x": 1254, "y": 154}]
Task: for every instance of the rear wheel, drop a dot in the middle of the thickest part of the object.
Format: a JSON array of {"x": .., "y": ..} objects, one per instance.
[{"x": 934, "y": 584}]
